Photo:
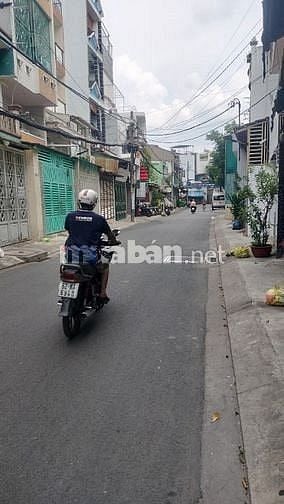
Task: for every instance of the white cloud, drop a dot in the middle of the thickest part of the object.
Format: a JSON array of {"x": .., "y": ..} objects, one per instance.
[
  {"x": 164, "y": 52},
  {"x": 147, "y": 93},
  {"x": 143, "y": 88},
  {"x": 213, "y": 11}
]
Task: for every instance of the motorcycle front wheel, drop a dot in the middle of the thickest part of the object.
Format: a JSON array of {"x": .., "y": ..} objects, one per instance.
[{"x": 71, "y": 325}]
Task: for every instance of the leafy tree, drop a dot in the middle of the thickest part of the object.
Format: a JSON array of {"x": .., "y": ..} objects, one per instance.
[{"x": 216, "y": 168}]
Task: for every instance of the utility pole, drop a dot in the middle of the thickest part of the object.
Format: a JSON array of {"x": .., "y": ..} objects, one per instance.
[
  {"x": 132, "y": 149},
  {"x": 233, "y": 103}
]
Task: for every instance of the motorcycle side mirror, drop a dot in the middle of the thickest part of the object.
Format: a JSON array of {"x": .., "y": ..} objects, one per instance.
[{"x": 116, "y": 232}]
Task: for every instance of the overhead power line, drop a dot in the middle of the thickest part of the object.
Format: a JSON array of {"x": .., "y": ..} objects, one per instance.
[
  {"x": 203, "y": 112},
  {"x": 224, "y": 124},
  {"x": 212, "y": 82},
  {"x": 199, "y": 93},
  {"x": 195, "y": 126},
  {"x": 57, "y": 131},
  {"x": 256, "y": 79},
  {"x": 212, "y": 72}
]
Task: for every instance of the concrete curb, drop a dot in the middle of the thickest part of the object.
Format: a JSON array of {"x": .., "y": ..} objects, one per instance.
[
  {"x": 9, "y": 262},
  {"x": 223, "y": 463},
  {"x": 259, "y": 387}
]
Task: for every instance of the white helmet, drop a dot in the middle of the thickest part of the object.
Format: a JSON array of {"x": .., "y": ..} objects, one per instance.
[{"x": 88, "y": 197}]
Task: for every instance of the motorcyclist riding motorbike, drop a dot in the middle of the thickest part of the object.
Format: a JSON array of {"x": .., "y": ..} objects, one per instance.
[{"x": 85, "y": 228}]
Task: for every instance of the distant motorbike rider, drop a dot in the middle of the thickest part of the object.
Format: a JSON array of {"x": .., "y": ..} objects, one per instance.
[
  {"x": 85, "y": 228},
  {"x": 193, "y": 204}
]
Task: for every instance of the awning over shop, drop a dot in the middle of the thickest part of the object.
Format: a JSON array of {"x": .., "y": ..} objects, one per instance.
[{"x": 107, "y": 163}]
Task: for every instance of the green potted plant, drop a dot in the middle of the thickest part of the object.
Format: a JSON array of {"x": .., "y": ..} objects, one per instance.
[
  {"x": 238, "y": 201},
  {"x": 258, "y": 212}
]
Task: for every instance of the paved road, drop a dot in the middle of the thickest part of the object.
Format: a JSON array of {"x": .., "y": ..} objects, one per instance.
[{"x": 115, "y": 415}]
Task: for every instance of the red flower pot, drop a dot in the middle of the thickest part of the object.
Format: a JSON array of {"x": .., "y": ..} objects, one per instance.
[{"x": 261, "y": 251}]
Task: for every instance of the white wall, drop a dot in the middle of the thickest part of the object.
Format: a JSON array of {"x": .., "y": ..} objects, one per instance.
[
  {"x": 242, "y": 166},
  {"x": 260, "y": 88},
  {"x": 187, "y": 164},
  {"x": 76, "y": 56},
  {"x": 6, "y": 21},
  {"x": 261, "y": 110},
  {"x": 201, "y": 164}
]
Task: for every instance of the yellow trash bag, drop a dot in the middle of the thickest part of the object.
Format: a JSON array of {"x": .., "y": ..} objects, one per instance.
[{"x": 240, "y": 252}]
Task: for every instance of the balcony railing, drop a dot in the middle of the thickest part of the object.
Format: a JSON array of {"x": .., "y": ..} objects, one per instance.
[
  {"x": 108, "y": 62},
  {"x": 97, "y": 5},
  {"x": 95, "y": 92},
  {"x": 93, "y": 41},
  {"x": 95, "y": 50},
  {"x": 9, "y": 125}
]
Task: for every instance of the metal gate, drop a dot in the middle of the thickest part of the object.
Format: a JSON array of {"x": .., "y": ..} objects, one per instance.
[
  {"x": 88, "y": 178},
  {"x": 107, "y": 197},
  {"x": 13, "y": 201},
  {"x": 57, "y": 180},
  {"x": 120, "y": 200}
]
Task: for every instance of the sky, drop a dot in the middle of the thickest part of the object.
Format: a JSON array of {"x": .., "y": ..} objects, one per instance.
[{"x": 164, "y": 51}]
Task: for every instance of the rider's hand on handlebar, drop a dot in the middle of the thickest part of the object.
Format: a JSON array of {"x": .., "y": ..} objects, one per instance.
[{"x": 113, "y": 243}]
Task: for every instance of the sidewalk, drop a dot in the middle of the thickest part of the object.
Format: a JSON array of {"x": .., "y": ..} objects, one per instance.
[
  {"x": 257, "y": 340},
  {"x": 31, "y": 251}
]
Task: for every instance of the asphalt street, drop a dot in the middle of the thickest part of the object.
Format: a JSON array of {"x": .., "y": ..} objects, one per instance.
[{"x": 114, "y": 416}]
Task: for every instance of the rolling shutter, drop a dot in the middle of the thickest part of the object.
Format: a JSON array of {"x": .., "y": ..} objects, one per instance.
[{"x": 57, "y": 180}]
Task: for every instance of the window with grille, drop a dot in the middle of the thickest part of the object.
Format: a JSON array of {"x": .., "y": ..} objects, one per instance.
[
  {"x": 32, "y": 28},
  {"x": 258, "y": 143}
]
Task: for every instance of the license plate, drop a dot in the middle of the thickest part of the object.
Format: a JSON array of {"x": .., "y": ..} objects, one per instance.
[{"x": 68, "y": 290}]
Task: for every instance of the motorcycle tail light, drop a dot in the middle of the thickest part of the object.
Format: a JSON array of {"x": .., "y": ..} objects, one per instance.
[{"x": 70, "y": 276}]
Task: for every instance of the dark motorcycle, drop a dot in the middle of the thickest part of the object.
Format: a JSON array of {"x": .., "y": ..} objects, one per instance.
[
  {"x": 193, "y": 209},
  {"x": 167, "y": 211},
  {"x": 146, "y": 211},
  {"x": 79, "y": 291}
]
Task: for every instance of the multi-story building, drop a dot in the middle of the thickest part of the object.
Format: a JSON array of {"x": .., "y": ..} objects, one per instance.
[
  {"x": 162, "y": 170},
  {"x": 202, "y": 163},
  {"x": 256, "y": 144},
  {"x": 273, "y": 52},
  {"x": 56, "y": 72},
  {"x": 27, "y": 86}
]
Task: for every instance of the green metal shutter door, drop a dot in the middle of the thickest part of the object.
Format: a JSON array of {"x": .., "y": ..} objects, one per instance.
[
  {"x": 120, "y": 200},
  {"x": 57, "y": 178}
]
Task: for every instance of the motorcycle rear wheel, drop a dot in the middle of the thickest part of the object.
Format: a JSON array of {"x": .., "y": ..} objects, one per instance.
[{"x": 71, "y": 325}]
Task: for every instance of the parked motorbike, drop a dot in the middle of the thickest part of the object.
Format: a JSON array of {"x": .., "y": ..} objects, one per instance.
[
  {"x": 79, "y": 291},
  {"x": 146, "y": 211}
]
